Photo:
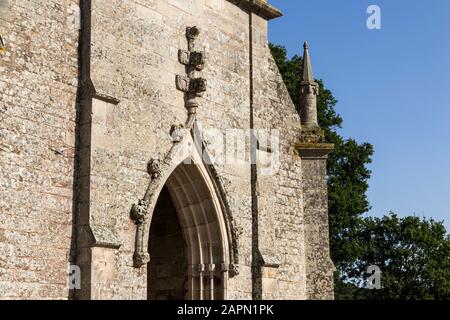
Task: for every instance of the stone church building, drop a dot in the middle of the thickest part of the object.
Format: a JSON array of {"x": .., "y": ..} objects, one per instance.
[{"x": 114, "y": 119}]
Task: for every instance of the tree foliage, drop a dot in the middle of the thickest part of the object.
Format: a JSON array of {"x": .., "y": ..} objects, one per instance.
[{"x": 413, "y": 255}]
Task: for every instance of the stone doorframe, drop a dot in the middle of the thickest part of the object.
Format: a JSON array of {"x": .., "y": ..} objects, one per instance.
[{"x": 200, "y": 209}]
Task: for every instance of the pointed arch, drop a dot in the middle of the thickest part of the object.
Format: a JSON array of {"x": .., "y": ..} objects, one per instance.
[{"x": 201, "y": 211}]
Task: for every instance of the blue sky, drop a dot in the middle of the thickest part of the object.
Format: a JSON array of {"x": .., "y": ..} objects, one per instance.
[{"x": 393, "y": 87}]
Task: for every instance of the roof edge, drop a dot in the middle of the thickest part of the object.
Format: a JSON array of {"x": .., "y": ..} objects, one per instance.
[{"x": 259, "y": 7}]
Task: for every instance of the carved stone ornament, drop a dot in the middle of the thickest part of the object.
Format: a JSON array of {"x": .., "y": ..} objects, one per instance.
[
  {"x": 198, "y": 60},
  {"x": 196, "y": 86},
  {"x": 177, "y": 133},
  {"x": 192, "y": 32},
  {"x": 140, "y": 259},
  {"x": 195, "y": 59},
  {"x": 184, "y": 57},
  {"x": 139, "y": 212},
  {"x": 154, "y": 168},
  {"x": 182, "y": 83},
  {"x": 234, "y": 270},
  {"x": 193, "y": 87}
]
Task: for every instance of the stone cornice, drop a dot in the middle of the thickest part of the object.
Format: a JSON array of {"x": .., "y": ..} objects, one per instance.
[
  {"x": 314, "y": 150},
  {"x": 259, "y": 7}
]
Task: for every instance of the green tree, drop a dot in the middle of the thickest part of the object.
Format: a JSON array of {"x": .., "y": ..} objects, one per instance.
[
  {"x": 413, "y": 255},
  {"x": 348, "y": 174}
]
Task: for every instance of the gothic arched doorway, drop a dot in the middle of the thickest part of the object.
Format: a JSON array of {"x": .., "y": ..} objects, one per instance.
[{"x": 188, "y": 242}]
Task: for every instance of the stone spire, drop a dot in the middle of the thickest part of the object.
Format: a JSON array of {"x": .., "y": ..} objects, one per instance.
[
  {"x": 309, "y": 91},
  {"x": 307, "y": 68}
]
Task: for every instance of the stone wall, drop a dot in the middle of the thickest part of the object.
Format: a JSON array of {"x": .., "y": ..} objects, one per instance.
[
  {"x": 128, "y": 102},
  {"x": 38, "y": 86},
  {"x": 319, "y": 267},
  {"x": 280, "y": 201},
  {"x": 133, "y": 64}
]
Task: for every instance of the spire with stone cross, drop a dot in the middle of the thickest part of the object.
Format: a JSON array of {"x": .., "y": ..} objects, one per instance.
[{"x": 309, "y": 90}]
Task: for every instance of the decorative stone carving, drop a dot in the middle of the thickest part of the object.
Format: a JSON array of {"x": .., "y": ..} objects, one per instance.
[
  {"x": 139, "y": 212},
  {"x": 140, "y": 259},
  {"x": 234, "y": 270},
  {"x": 196, "y": 59},
  {"x": 195, "y": 87},
  {"x": 177, "y": 133},
  {"x": 192, "y": 33},
  {"x": 184, "y": 57},
  {"x": 182, "y": 83},
  {"x": 154, "y": 168},
  {"x": 198, "y": 86}
]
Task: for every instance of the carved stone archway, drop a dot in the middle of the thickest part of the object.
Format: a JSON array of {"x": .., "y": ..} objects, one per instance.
[
  {"x": 196, "y": 193},
  {"x": 204, "y": 231}
]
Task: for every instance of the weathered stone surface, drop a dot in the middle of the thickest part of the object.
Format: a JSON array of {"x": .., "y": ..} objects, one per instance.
[
  {"x": 82, "y": 137},
  {"x": 38, "y": 84}
]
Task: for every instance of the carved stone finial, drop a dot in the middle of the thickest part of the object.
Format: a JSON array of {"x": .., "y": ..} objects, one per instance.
[
  {"x": 309, "y": 90},
  {"x": 192, "y": 32},
  {"x": 191, "y": 85},
  {"x": 154, "y": 168}
]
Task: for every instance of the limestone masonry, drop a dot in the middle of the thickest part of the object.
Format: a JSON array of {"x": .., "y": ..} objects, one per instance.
[{"x": 118, "y": 179}]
